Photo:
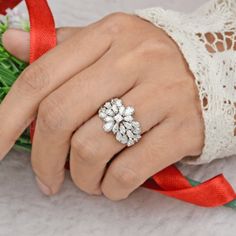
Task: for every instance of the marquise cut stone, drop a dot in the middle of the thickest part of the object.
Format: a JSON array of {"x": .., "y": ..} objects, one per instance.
[
  {"x": 122, "y": 129},
  {"x": 109, "y": 112},
  {"x": 115, "y": 128},
  {"x": 127, "y": 125},
  {"x": 121, "y": 110},
  {"x": 108, "y": 119}
]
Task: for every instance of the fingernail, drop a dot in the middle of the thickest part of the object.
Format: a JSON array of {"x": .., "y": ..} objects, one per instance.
[{"x": 45, "y": 189}]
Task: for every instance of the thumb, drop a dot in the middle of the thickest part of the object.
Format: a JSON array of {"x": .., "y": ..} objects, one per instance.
[{"x": 17, "y": 42}]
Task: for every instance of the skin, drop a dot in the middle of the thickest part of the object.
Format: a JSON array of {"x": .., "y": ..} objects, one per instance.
[{"x": 119, "y": 56}]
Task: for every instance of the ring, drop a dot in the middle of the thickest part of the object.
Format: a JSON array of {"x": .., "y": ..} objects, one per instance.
[{"x": 119, "y": 120}]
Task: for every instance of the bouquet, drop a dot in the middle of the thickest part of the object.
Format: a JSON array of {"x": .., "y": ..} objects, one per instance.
[{"x": 11, "y": 68}]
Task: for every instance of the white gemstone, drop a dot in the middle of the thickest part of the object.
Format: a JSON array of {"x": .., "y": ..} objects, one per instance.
[
  {"x": 118, "y": 102},
  {"x": 122, "y": 129},
  {"x": 109, "y": 112},
  {"x": 108, "y": 126},
  {"x": 137, "y": 131},
  {"x": 115, "y": 128},
  {"x": 130, "y": 134},
  {"x": 128, "y": 118},
  {"x": 108, "y": 119},
  {"x": 102, "y": 115},
  {"x": 107, "y": 105},
  {"x": 124, "y": 139},
  {"x": 121, "y": 110},
  {"x": 129, "y": 111},
  {"x": 127, "y": 125},
  {"x": 137, "y": 137},
  {"x": 135, "y": 124},
  {"x": 118, "y": 118},
  {"x": 115, "y": 109},
  {"x": 130, "y": 142},
  {"x": 113, "y": 101},
  {"x": 102, "y": 109},
  {"x": 118, "y": 136}
]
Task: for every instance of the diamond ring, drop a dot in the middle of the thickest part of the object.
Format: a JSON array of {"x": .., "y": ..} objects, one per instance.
[{"x": 119, "y": 120}]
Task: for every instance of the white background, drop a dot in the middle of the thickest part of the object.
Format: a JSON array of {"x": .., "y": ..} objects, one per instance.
[{"x": 24, "y": 211}]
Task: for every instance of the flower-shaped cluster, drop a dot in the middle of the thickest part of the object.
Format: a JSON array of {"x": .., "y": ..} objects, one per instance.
[{"x": 119, "y": 120}]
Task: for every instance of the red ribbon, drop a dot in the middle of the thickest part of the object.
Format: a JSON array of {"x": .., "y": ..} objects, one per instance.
[
  {"x": 170, "y": 182},
  {"x": 5, "y": 4},
  {"x": 42, "y": 34}
]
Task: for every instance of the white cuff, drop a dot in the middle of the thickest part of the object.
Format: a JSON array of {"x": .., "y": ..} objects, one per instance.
[{"x": 207, "y": 39}]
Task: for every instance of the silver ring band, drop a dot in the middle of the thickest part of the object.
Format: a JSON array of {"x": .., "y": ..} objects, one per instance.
[{"x": 119, "y": 120}]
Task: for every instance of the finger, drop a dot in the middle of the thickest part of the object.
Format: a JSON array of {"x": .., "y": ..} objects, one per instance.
[
  {"x": 159, "y": 148},
  {"x": 92, "y": 148},
  {"x": 17, "y": 42},
  {"x": 59, "y": 115},
  {"x": 44, "y": 76}
]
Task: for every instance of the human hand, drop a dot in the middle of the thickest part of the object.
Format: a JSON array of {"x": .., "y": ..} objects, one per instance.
[{"x": 120, "y": 56}]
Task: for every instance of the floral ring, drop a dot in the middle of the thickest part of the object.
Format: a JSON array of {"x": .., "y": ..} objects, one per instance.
[{"x": 119, "y": 120}]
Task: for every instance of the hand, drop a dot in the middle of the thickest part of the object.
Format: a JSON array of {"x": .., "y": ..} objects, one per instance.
[{"x": 120, "y": 56}]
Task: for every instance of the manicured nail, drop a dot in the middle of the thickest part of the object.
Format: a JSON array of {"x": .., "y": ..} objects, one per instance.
[{"x": 45, "y": 189}]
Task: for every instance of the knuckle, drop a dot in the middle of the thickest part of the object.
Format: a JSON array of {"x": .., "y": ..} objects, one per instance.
[
  {"x": 83, "y": 150},
  {"x": 156, "y": 148},
  {"x": 154, "y": 48},
  {"x": 33, "y": 80},
  {"x": 122, "y": 63},
  {"x": 190, "y": 136},
  {"x": 124, "y": 176},
  {"x": 50, "y": 115},
  {"x": 64, "y": 33},
  {"x": 117, "y": 22}
]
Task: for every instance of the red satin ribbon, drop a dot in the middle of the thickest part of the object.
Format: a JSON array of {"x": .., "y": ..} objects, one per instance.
[
  {"x": 42, "y": 34},
  {"x": 4, "y": 4},
  {"x": 170, "y": 182}
]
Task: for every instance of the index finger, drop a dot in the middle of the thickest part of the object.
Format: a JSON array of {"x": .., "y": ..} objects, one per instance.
[
  {"x": 20, "y": 106},
  {"x": 20, "y": 48}
]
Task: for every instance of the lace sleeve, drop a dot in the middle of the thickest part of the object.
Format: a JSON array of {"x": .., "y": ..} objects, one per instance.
[{"x": 207, "y": 39}]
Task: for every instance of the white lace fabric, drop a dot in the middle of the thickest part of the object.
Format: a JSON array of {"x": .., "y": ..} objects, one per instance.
[{"x": 207, "y": 39}]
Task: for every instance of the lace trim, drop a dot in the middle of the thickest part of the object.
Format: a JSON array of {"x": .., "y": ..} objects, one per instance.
[{"x": 207, "y": 39}]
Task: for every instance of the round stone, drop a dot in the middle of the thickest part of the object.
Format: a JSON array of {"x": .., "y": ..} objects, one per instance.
[
  {"x": 102, "y": 115},
  {"x": 129, "y": 111},
  {"x": 108, "y": 126}
]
